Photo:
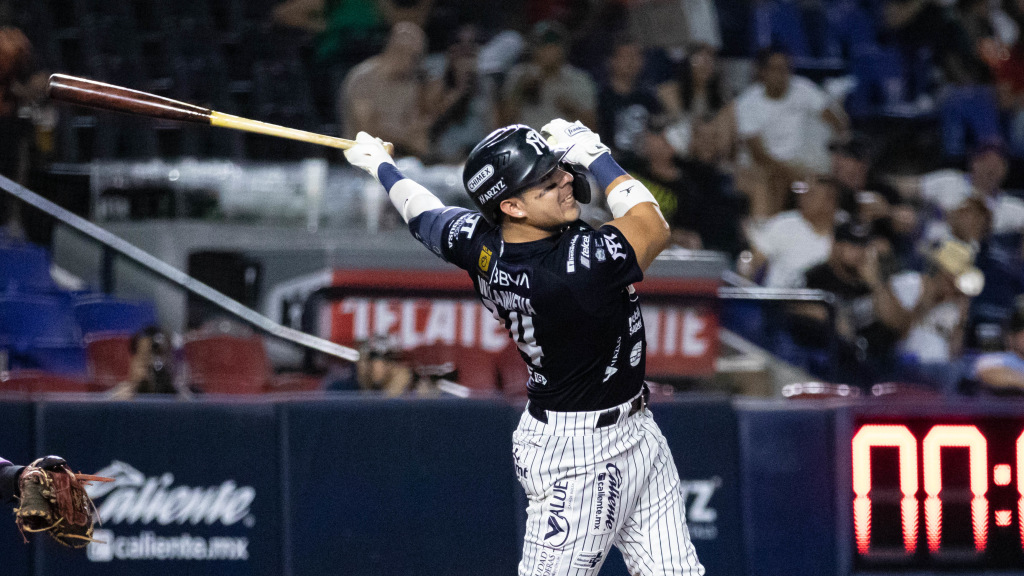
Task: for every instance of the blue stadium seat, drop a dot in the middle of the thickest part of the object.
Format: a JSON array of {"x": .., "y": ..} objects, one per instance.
[
  {"x": 37, "y": 320},
  {"x": 25, "y": 268},
  {"x": 99, "y": 313},
  {"x": 40, "y": 332}
]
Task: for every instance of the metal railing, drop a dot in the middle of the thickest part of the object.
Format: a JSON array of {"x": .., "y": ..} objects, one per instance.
[{"x": 114, "y": 247}]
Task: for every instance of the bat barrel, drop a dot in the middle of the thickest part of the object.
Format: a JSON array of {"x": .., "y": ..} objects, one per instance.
[{"x": 119, "y": 99}]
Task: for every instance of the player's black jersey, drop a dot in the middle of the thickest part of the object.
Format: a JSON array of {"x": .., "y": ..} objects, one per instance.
[{"x": 567, "y": 301}]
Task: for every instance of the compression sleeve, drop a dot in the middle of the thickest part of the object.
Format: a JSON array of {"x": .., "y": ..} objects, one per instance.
[{"x": 409, "y": 198}]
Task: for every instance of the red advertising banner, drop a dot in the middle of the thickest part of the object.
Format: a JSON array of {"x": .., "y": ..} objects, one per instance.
[{"x": 438, "y": 313}]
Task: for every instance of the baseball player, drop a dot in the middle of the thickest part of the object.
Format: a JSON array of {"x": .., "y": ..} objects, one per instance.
[{"x": 595, "y": 467}]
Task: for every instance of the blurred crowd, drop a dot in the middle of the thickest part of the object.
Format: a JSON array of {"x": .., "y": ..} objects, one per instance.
[{"x": 871, "y": 149}]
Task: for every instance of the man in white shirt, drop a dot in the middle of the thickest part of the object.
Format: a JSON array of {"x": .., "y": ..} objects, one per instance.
[
  {"x": 947, "y": 189},
  {"x": 792, "y": 242},
  {"x": 779, "y": 119}
]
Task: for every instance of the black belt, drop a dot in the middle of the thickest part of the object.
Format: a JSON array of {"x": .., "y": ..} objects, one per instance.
[{"x": 607, "y": 418}]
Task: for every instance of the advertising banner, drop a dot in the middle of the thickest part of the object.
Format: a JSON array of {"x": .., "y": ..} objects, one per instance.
[
  {"x": 196, "y": 487},
  {"x": 401, "y": 487},
  {"x": 682, "y": 338},
  {"x": 17, "y": 439}
]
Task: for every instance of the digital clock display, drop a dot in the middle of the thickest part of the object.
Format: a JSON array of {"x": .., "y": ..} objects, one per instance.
[{"x": 937, "y": 492}]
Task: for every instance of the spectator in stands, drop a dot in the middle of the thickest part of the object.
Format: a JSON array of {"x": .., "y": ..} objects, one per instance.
[
  {"x": 385, "y": 95},
  {"x": 925, "y": 24},
  {"x": 349, "y": 27},
  {"x": 946, "y": 189},
  {"x": 870, "y": 200},
  {"x": 790, "y": 243},
  {"x": 382, "y": 369},
  {"x": 869, "y": 317},
  {"x": 778, "y": 119},
  {"x": 547, "y": 86},
  {"x": 625, "y": 107},
  {"x": 697, "y": 93},
  {"x": 462, "y": 101},
  {"x": 1004, "y": 371},
  {"x": 19, "y": 85},
  {"x": 677, "y": 196},
  {"x": 937, "y": 303},
  {"x": 152, "y": 366},
  {"x": 1009, "y": 73}
]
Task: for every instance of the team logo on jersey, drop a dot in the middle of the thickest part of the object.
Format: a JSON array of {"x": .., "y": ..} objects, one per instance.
[
  {"x": 636, "y": 322},
  {"x": 607, "y": 500},
  {"x": 610, "y": 370},
  {"x": 556, "y": 532},
  {"x": 635, "y": 353},
  {"x": 588, "y": 560},
  {"x": 599, "y": 249},
  {"x": 570, "y": 264},
  {"x": 615, "y": 249},
  {"x": 480, "y": 177},
  {"x": 485, "y": 259},
  {"x": 585, "y": 252}
]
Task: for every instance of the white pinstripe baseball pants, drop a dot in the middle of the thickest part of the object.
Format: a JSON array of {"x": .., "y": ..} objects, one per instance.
[{"x": 590, "y": 489}]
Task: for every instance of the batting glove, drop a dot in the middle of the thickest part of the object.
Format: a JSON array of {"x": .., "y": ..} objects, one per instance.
[
  {"x": 368, "y": 154},
  {"x": 586, "y": 145}
]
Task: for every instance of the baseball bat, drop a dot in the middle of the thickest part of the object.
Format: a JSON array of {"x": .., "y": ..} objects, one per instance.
[{"x": 95, "y": 94}]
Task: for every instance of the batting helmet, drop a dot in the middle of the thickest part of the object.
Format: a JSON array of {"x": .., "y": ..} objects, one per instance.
[{"x": 508, "y": 161}]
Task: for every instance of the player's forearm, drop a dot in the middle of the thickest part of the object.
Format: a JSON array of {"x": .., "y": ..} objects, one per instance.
[
  {"x": 8, "y": 480},
  {"x": 410, "y": 198}
]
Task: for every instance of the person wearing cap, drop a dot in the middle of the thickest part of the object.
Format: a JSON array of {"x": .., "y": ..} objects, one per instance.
[
  {"x": 937, "y": 302},
  {"x": 869, "y": 317},
  {"x": 791, "y": 242},
  {"x": 988, "y": 168},
  {"x": 547, "y": 86},
  {"x": 1004, "y": 371},
  {"x": 866, "y": 197}
]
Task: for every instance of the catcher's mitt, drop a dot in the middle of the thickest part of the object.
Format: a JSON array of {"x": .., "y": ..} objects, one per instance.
[{"x": 53, "y": 499}]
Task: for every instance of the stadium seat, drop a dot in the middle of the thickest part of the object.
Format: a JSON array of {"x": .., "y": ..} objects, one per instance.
[
  {"x": 25, "y": 268},
  {"x": 41, "y": 382},
  {"x": 109, "y": 358},
  {"x": 100, "y": 313},
  {"x": 38, "y": 320},
  {"x": 475, "y": 370},
  {"x": 227, "y": 364}
]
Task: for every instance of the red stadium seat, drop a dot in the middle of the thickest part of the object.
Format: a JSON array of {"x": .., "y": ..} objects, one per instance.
[
  {"x": 41, "y": 382},
  {"x": 227, "y": 364},
  {"x": 109, "y": 357}
]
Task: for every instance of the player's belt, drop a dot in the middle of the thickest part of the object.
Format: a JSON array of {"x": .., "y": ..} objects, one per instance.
[{"x": 607, "y": 418}]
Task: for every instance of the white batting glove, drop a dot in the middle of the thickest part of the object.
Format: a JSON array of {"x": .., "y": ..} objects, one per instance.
[
  {"x": 368, "y": 154},
  {"x": 586, "y": 144}
]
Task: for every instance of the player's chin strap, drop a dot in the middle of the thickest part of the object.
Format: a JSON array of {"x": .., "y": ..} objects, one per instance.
[
  {"x": 410, "y": 198},
  {"x": 628, "y": 194}
]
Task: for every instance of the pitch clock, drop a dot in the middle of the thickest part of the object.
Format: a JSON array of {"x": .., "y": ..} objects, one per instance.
[{"x": 936, "y": 492}]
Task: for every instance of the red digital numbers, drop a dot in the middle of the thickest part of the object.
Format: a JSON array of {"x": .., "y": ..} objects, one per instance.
[
  {"x": 879, "y": 435},
  {"x": 969, "y": 437},
  {"x": 871, "y": 436}
]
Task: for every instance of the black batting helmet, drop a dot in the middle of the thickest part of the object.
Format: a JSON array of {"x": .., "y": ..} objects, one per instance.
[{"x": 508, "y": 161}]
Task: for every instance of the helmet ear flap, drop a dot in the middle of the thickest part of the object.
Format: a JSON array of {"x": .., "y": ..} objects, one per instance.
[{"x": 580, "y": 185}]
